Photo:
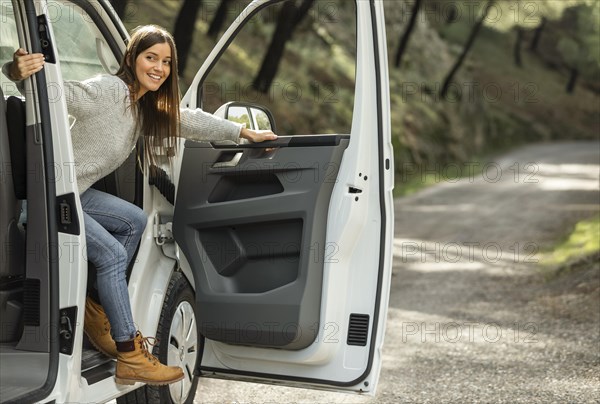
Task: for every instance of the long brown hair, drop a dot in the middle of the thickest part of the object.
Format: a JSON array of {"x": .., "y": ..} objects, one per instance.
[{"x": 157, "y": 112}]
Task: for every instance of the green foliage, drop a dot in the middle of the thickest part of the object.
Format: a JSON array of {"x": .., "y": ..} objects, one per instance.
[
  {"x": 425, "y": 129},
  {"x": 581, "y": 49},
  {"x": 583, "y": 241},
  {"x": 507, "y": 14},
  {"x": 262, "y": 120},
  {"x": 244, "y": 119}
]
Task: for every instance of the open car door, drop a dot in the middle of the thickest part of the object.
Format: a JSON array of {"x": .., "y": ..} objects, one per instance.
[{"x": 289, "y": 242}]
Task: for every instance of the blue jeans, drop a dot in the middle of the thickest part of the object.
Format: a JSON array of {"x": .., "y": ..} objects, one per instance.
[{"x": 113, "y": 230}]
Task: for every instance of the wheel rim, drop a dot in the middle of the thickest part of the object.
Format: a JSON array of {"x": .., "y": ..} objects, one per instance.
[{"x": 183, "y": 349}]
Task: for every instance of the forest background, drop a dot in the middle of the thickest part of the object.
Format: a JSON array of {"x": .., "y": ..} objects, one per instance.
[{"x": 468, "y": 79}]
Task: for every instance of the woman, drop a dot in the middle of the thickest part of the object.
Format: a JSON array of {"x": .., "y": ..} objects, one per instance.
[{"x": 111, "y": 113}]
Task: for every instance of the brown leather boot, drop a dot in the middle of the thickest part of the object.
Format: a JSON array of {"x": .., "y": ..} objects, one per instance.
[
  {"x": 136, "y": 364},
  {"x": 97, "y": 328}
]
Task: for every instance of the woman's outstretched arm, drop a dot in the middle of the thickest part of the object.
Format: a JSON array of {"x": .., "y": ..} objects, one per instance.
[{"x": 199, "y": 125}]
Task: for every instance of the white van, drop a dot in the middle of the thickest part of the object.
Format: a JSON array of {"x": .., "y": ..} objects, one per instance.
[{"x": 258, "y": 264}]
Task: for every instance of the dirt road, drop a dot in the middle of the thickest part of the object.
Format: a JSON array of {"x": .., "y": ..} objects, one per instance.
[{"x": 470, "y": 317}]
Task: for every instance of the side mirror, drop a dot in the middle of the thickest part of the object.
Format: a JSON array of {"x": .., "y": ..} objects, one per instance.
[{"x": 255, "y": 117}]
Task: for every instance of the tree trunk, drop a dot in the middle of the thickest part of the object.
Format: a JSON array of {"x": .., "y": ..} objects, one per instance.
[
  {"x": 467, "y": 48},
  {"x": 537, "y": 34},
  {"x": 572, "y": 80},
  {"x": 184, "y": 30},
  {"x": 407, "y": 32},
  {"x": 302, "y": 11},
  {"x": 217, "y": 22},
  {"x": 452, "y": 16},
  {"x": 517, "y": 49},
  {"x": 289, "y": 17},
  {"x": 119, "y": 6}
]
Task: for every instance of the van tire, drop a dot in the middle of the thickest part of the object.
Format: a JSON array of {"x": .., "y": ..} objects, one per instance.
[{"x": 179, "y": 293}]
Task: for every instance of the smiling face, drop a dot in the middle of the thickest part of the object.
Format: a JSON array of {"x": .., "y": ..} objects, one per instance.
[{"x": 152, "y": 67}]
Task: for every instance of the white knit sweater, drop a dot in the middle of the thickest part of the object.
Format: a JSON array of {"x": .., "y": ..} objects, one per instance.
[{"x": 104, "y": 132}]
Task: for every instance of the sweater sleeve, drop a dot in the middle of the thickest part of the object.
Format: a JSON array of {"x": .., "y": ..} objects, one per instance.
[
  {"x": 5, "y": 70},
  {"x": 84, "y": 97},
  {"x": 199, "y": 125},
  {"x": 79, "y": 97},
  {"x": 20, "y": 84}
]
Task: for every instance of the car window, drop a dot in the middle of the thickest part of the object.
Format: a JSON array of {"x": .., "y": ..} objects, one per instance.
[
  {"x": 9, "y": 42},
  {"x": 306, "y": 81},
  {"x": 81, "y": 47}
]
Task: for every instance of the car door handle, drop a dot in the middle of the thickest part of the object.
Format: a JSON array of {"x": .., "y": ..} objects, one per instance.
[{"x": 235, "y": 159}]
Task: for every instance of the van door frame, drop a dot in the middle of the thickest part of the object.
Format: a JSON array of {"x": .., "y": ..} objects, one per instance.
[
  {"x": 48, "y": 326},
  {"x": 385, "y": 186}
]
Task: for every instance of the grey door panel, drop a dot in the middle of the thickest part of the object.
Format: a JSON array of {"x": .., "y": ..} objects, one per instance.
[{"x": 252, "y": 227}]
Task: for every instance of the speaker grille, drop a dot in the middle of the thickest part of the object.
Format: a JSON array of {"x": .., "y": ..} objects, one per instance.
[
  {"x": 31, "y": 302},
  {"x": 358, "y": 329}
]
